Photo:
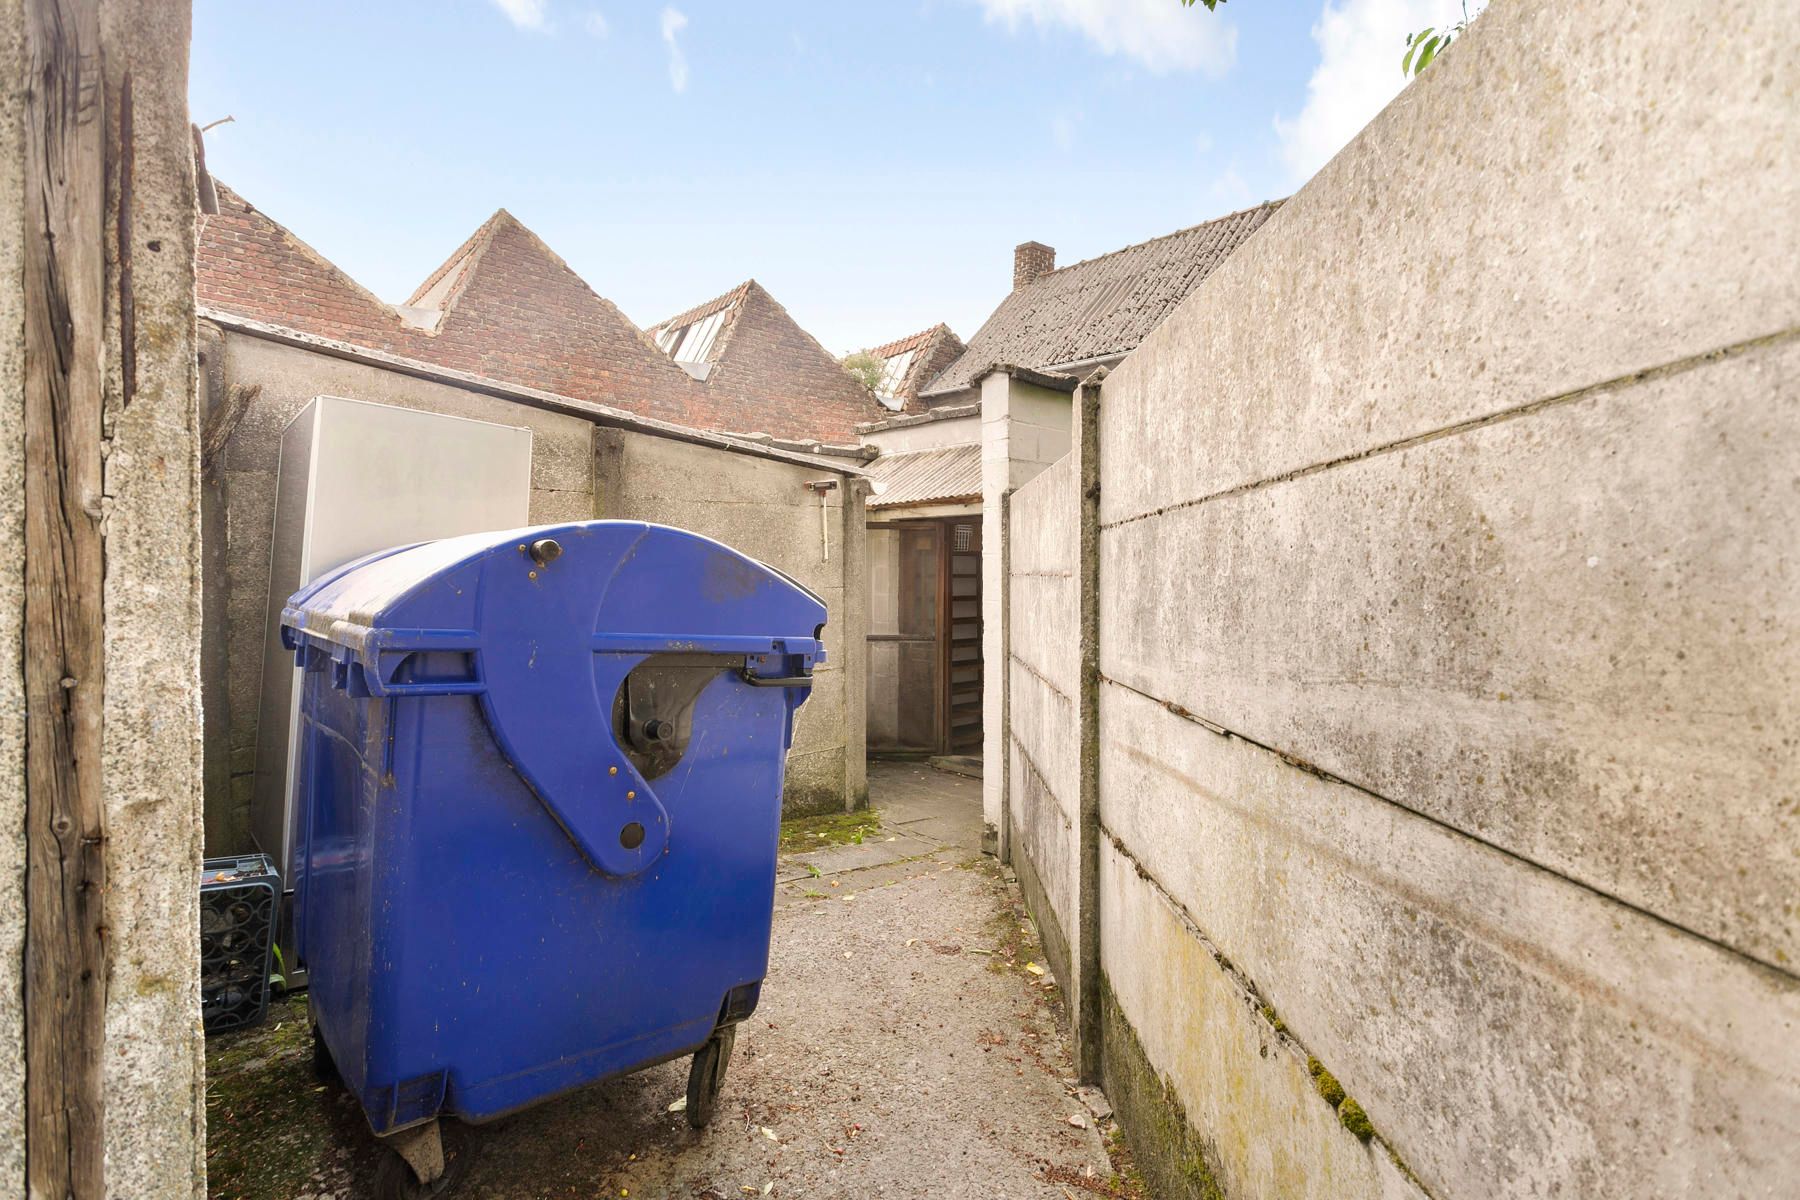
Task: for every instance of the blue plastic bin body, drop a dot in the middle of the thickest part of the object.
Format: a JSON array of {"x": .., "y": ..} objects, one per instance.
[{"x": 496, "y": 899}]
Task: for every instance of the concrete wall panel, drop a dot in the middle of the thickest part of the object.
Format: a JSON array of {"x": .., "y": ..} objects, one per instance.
[
  {"x": 1268, "y": 1134},
  {"x": 1544, "y": 209},
  {"x": 1574, "y": 634},
  {"x": 1504, "y": 1028}
]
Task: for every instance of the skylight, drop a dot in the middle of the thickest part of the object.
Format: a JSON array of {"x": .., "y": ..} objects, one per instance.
[
  {"x": 693, "y": 342},
  {"x": 892, "y": 376}
]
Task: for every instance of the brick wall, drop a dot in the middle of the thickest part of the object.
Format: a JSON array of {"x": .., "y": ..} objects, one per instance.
[{"x": 772, "y": 372}]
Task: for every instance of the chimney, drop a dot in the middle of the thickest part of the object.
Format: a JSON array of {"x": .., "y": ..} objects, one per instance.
[{"x": 1031, "y": 262}]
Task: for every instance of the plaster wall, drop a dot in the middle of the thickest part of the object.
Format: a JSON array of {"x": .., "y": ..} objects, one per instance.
[
  {"x": 764, "y": 509},
  {"x": 934, "y": 434}
]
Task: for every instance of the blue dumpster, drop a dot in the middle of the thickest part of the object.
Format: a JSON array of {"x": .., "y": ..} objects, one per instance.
[{"x": 539, "y": 788}]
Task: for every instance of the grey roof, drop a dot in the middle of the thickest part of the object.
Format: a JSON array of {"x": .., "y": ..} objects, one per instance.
[
  {"x": 924, "y": 476},
  {"x": 1101, "y": 307}
]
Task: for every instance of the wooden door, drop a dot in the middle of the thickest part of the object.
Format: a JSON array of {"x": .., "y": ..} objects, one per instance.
[{"x": 960, "y": 636}]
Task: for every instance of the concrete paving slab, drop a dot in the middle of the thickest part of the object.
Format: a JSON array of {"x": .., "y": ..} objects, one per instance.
[{"x": 875, "y": 852}]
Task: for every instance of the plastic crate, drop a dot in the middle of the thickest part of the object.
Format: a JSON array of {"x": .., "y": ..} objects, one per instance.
[{"x": 239, "y": 898}]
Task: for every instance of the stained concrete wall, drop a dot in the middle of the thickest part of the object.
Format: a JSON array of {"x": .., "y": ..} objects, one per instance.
[
  {"x": 1450, "y": 645},
  {"x": 274, "y": 381},
  {"x": 764, "y": 508},
  {"x": 1042, "y": 675},
  {"x": 154, "y": 1119}
]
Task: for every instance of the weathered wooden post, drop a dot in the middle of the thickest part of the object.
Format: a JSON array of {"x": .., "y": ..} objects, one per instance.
[{"x": 100, "y": 1079}]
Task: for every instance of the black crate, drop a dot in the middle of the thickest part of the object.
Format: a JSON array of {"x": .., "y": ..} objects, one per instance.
[{"x": 239, "y": 898}]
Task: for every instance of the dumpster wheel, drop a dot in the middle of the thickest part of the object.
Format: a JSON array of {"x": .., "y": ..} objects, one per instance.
[
  {"x": 324, "y": 1070},
  {"x": 398, "y": 1179},
  {"x": 707, "y": 1076}
]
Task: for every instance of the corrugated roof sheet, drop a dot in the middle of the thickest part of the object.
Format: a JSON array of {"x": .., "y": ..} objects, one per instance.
[
  {"x": 1100, "y": 307},
  {"x": 923, "y": 476}
]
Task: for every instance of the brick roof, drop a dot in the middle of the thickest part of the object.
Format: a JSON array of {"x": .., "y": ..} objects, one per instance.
[
  {"x": 1101, "y": 307},
  {"x": 507, "y": 307},
  {"x": 731, "y": 303},
  {"x": 515, "y": 310},
  {"x": 932, "y": 349},
  {"x": 249, "y": 265},
  {"x": 767, "y": 367}
]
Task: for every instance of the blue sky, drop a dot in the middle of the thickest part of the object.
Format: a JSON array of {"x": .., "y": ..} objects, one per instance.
[{"x": 872, "y": 164}]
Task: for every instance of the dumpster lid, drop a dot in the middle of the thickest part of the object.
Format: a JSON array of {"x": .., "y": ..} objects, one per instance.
[
  {"x": 543, "y": 624},
  {"x": 637, "y": 585}
]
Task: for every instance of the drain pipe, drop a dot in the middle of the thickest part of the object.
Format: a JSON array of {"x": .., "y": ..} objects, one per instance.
[{"x": 821, "y": 486}]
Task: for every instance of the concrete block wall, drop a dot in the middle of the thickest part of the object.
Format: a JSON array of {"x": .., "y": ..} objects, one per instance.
[
  {"x": 764, "y": 509},
  {"x": 1449, "y": 645},
  {"x": 1042, "y": 675}
]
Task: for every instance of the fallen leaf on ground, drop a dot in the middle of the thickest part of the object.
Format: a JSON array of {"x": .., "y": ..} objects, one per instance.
[
  {"x": 1034, "y": 968},
  {"x": 679, "y": 1106},
  {"x": 768, "y": 1133}
]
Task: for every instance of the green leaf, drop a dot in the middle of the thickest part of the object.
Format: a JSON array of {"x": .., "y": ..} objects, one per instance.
[
  {"x": 1414, "y": 41},
  {"x": 1427, "y": 54}
]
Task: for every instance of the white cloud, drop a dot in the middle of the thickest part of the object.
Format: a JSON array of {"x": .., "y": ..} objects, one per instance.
[
  {"x": 1360, "y": 44},
  {"x": 595, "y": 23},
  {"x": 673, "y": 22},
  {"x": 1161, "y": 34},
  {"x": 526, "y": 14}
]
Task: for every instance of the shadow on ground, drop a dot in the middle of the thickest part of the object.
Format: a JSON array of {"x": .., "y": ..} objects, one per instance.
[{"x": 905, "y": 1047}]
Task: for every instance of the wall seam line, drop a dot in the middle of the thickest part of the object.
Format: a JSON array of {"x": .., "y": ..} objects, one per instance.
[
  {"x": 1040, "y": 677},
  {"x": 1662, "y": 371},
  {"x": 1013, "y": 740},
  {"x": 1239, "y": 978},
  {"x": 1319, "y": 772}
]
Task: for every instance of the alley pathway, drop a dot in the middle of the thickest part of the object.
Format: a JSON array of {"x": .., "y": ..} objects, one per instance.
[{"x": 902, "y": 1049}]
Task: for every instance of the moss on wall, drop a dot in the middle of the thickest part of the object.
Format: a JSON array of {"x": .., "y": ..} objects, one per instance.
[{"x": 1171, "y": 1154}]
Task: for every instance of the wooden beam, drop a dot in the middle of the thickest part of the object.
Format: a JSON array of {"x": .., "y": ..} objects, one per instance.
[{"x": 65, "y": 349}]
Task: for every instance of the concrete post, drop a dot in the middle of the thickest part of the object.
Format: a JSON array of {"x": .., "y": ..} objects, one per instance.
[
  {"x": 1086, "y": 452},
  {"x": 854, "y": 643},
  {"x": 996, "y": 486}
]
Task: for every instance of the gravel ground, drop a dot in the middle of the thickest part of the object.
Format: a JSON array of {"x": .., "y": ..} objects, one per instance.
[{"x": 903, "y": 1048}]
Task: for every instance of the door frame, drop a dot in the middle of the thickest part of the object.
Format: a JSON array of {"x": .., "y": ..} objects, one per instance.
[{"x": 943, "y": 617}]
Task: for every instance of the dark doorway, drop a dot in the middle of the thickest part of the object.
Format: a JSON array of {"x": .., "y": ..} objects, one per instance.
[{"x": 937, "y": 633}]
